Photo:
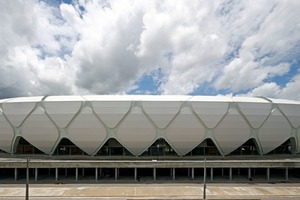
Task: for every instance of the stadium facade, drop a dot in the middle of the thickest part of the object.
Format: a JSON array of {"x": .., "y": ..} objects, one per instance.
[{"x": 141, "y": 127}]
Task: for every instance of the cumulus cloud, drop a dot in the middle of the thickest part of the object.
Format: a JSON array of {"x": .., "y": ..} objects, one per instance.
[{"x": 109, "y": 47}]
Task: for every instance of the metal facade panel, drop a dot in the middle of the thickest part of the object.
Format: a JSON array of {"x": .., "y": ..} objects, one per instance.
[
  {"x": 185, "y": 132},
  {"x": 39, "y": 131},
  {"x": 275, "y": 131},
  {"x": 161, "y": 112},
  {"x": 87, "y": 132},
  {"x": 232, "y": 132},
  {"x": 136, "y": 132}
]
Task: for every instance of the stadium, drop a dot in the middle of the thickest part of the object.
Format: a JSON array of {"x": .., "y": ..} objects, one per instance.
[{"x": 161, "y": 137}]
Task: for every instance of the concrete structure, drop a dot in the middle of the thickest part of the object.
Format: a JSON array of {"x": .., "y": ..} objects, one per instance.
[{"x": 182, "y": 130}]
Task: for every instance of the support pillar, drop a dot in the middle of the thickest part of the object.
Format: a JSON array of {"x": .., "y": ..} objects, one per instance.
[
  {"x": 154, "y": 173},
  {"x": 230, "y": 173},
  {"x": 96, "y": 174},
  {"x": 268, "y": 174},
  {"x": 211, "y": 174},
  {"x": 249, "y": 173},
  {"x": 76, "y": 174},
  {"x": 56, "y": 174},
  {"x": 66, "y": 172},
  {"x": 173, "y": 174},
  {"x": 135, "y": 173},
  {"x": 193, "y": 174},
  {"x": 36, "y": 174},
  {"x": 286, "y": 173},
  {"x": 16, "y": 174},
  {"x": 116, "y": 173}
]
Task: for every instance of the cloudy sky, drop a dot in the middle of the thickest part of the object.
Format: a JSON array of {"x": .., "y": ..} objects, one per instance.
[{"x": 58, "y": 47}]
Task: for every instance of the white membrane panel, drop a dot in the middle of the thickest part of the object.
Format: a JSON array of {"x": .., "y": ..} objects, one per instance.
[
  {"x": 39, "y": 131},
  {"x": 232, "y": 132},
  {"x": 292, "y": 112},
  {"x": 62, "y": 112},
  {"x": 161, "y": 112},
  {"x": 298, "y": 140},
  {"x": 111, "y": 112},
  {"x": 185, "y": 132},
  {"x": 255, "y": 113},
  {"x": 6, "y": 134},
  {"x": 210, "y": 112},
  {"x": 136, "y": 132},
  {"x": 86, "y": 131},
  {"x": 16, "y": 112},
  {"x": 274, "y": 132}
]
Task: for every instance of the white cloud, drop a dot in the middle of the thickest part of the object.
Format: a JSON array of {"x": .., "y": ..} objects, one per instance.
[
  {"x": 267, "y": 90},
  {"x": 260, "y": 55},
  {"x": 105, "y": 47}
]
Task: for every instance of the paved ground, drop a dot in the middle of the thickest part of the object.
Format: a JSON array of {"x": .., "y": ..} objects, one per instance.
[{"x": 151, "y": 191}]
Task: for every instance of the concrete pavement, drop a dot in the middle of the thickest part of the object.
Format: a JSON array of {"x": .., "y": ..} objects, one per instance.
[{"x": 151, "y": 191}]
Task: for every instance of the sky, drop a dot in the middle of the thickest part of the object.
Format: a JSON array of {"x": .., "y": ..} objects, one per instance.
[{"x": 169, "y": 47}]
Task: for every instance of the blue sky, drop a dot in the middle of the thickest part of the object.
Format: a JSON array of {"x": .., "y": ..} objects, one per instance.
[{"x": 194, "y": 47}]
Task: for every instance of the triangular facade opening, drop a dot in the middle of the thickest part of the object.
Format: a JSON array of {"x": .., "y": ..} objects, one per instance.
[
  {"x": 206, "y": 148},
  {"x": 288, "y": 147},
  {"x": 248, "y": 148},
  {"x": 113, "y": 148},
  {"x": 66, "y": 147},
  {"x": 160, "y": 148},
  {"x": 24, "y": 147}
]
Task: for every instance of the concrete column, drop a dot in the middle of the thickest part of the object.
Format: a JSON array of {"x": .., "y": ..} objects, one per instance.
[
  {"x": 286, "y": 173},
  {"x": 76, "y": 174},
  {"x": 16, "y": 174},
  {"x": 268, "y": 174},
  {"x": 173, "y": 174},
  {"x": 211, "y": 174},
  {"x": 135, "y": 173},
  {"x": 249, "y": 173},
  {"x": 189, "y": 172},
  {"x": 100, "y": 172},
  {"x": 66, "y": 172},
  {"x": 56, "y": 174},
  {"x": 82, "y": 172},
  {"x": 116, "y": 173},
  {"x": 193, "y": 174},
  {"x": 96, "y": 174},
  {"x": 154, "y": 173},
  {"x": 230, "y": 173},
  {"x": 36, "y": 174}
]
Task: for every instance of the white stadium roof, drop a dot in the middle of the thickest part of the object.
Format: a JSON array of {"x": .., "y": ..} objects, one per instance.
[{"x": 137, "y": 121}]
